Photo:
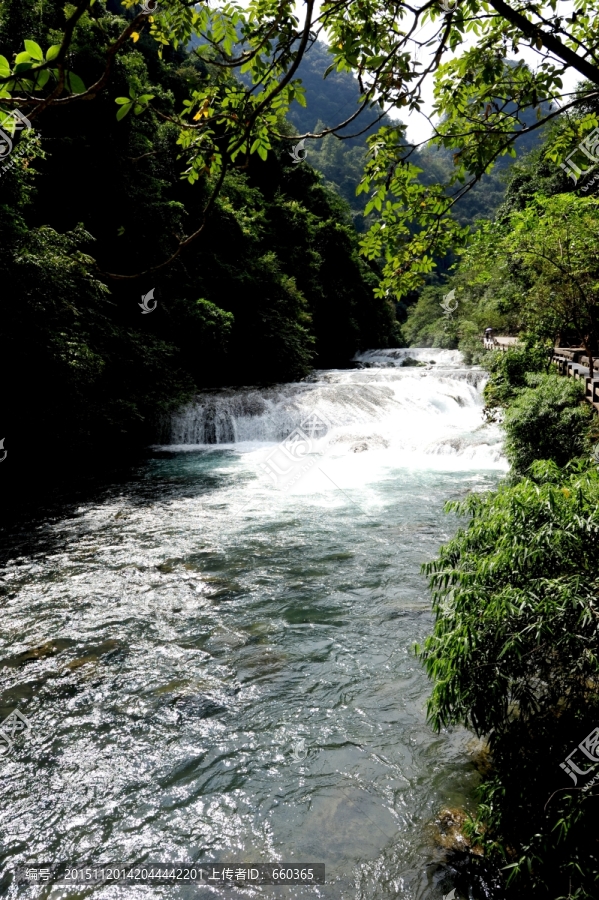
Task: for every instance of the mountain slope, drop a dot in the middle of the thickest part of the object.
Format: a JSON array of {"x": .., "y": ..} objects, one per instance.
[{"x": 333, "y": 99}]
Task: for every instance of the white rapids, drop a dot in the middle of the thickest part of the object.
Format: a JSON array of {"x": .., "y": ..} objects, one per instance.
[
  {"x": 425, "y": 416},
  {"x": 216, "y": 653}
]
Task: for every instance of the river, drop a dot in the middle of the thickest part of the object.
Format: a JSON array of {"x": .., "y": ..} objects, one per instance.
[{"x": 216, "y": 657}]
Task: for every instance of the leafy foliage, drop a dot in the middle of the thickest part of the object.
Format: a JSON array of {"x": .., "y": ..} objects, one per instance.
[
  {"x": 341, "y": 157},
  {"x": 547, "y": 420},
  {"x": 532, "y": 269},
  {"x": 483, "y": 100},
  {"x": 514, "y": 656},
  {"x": 509, "y": 372}
]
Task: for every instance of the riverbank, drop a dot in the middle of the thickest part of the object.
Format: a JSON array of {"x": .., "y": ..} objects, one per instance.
[
  {"x": 216, "y": 668},
  {"x": 515, "y": 593}
]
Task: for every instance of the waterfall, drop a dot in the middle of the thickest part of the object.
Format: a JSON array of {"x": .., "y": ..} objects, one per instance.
[
  {"x": 398, "y": 356},
  {"x": 427, "y": 409}
]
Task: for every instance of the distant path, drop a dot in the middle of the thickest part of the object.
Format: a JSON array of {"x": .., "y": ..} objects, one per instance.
[
  {"x": 574, "y": 363},
  {"x": 571, "y": 362}
]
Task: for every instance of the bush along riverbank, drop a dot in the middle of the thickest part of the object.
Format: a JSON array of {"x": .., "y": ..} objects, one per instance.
[{"x": 514, "y": 651}]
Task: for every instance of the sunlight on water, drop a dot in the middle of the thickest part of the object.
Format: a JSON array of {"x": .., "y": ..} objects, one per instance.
[
  {"x": 427, "y": 417},
  {"x": 176, "y": 641}
]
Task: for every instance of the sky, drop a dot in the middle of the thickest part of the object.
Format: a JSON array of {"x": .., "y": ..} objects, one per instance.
[{"x": 419, "y": 128}]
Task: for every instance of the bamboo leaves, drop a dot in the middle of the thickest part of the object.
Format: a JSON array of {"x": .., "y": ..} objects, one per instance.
[{"x": 514, "y": 594}]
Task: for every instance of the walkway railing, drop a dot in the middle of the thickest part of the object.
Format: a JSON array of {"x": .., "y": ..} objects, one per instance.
[
  {"x": 573, "y": 362},
  {"x": 499, "y": 343}
]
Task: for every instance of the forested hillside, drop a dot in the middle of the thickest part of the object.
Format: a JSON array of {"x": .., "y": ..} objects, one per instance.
[
  {"x": 333, "y": 99},
  {"x": 510, "y": 277},
  {"x": 272, "y": 288}
]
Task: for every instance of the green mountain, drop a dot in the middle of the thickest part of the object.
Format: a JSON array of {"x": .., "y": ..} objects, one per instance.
[{"x": 333, "y": 99}]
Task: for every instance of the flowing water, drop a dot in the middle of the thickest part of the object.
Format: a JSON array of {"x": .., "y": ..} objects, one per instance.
[{"x": 216, "y": 658}]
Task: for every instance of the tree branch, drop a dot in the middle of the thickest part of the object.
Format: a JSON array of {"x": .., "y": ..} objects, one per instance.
[
  {"x": 182, "y": 244},
  {"x": 552, "y": 43}
]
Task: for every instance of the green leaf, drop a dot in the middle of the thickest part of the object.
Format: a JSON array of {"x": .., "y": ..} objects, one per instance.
[
  {"x": 74, "y": 83},
  {"x": 41, "y": 79},
  {"x": 52, "y": 52},
  {"x": 123, "y": 111},
  {"x": 141, "y": 103},
  {"x": 23, "y": 58},
  {"x": 4, "y": 67},
  {"x": 34, "y": 50}
]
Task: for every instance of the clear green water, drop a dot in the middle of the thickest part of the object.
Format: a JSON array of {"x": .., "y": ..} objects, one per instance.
[{"x": 190, "y": 628}]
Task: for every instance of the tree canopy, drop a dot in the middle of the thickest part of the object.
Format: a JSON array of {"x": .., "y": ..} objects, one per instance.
[
  {"x": 275, "y": 285},
  {"x": 483, "y": 91}
]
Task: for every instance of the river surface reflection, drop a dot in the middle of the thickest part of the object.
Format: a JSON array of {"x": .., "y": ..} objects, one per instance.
[{"x": 219, "y": 670}]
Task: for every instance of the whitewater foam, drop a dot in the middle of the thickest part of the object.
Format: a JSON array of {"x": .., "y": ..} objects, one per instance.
[
  {"x": 397, "y": 357},
  {"x": 396, "y": 415}
]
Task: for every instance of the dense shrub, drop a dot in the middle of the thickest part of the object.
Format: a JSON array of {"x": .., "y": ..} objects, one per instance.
[
  {"x": 509, "y": 370},
  {"x": 514, "y": 656},
  {"x": 547, "y": 420}
]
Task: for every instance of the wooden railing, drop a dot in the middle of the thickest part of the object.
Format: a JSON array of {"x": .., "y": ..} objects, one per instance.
[
  {"x": 500, "y": 342},
  {"x": 573, "y": 362}
]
